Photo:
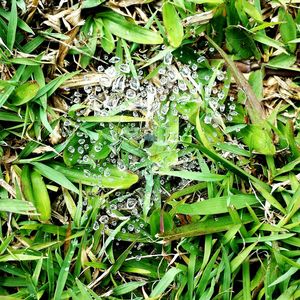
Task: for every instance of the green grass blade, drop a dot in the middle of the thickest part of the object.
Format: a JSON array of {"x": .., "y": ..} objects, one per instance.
[{"x": 12, "y": 25}]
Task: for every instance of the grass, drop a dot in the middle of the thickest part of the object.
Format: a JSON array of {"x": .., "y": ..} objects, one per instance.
[{"x": 149, "y": 150}]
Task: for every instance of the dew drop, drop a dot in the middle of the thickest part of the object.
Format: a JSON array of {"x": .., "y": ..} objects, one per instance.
[
  {"x": 124, "y": 68},
  {"x": 168, "y": 58},
  {"x": 96, "y": 225},
  {"x": 104, "y": 219},
  {"x": 130, "y": 94},
  {"x": 71, "y": 149},
  {"x": 114, "y": 60}
]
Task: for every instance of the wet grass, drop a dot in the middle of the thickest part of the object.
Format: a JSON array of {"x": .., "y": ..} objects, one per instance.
[{"x": 149, "y": 150}]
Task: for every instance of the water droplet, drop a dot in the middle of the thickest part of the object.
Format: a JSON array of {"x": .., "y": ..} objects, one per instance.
[
  {"x": 71, "y": 149},
  {"x": 185, "y": 71},
  {"x": 222, "y": 108},
  {"x": 100, "y": 69},
  {"x": 105, "y": 81},
  {"x": 138, "y": 257},
  {"x": 114, "y": 60},
  {"x": 98, "y": 147},
  {"x": 111, "y": 71},
  {"x": 163, "y": 80},
  {"x": 151, "y": 89},
  {"x": 168, "y": 58},
  {"x": 130, "y": 227},
  {"x": 124, "y": 68},
  {"x": 182, "y": 86},
  {"x": 131, "y": 203},
  {"x": 221, "y": 95},
  {"x": 87, "y": 172},
  {"x": 207, "y": 119},
  {"x": 96, "y": 225},
  {"x": 134, "y": 83},
  {"x": 220, "y": 77},
  {"x": 87, "y": 89},
  {"x": 130, "y": 94},
  {"x": 200, "y": 59},
  {"x": 194, "y": 67},
  {"x": 104, "y": 219},
  {"x": 233, "y": 113},
  {"x": 119, "y": 84},
  {"x": 80, "y": 150},
  {"x": 107, "y": 172}
]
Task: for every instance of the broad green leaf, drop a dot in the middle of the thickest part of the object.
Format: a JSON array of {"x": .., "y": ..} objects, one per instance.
[
  {"x": 17, "y": 206},
  {"x": 241, "y": 43},
  {"x": 282, "y": 61},
  {"x": 268, "y": 197},
  {"x": 256, "y": 81},
  {"x": 40, "y": 196},
  {"x": 216, "y": 205},
  {"x": 109, "y": 177},
  {"x": 288, "y": 29},
  {"x": 71, "y": 154},
  {"x": 173, "y": 25},
  {"x": 107, "y": 41},
  {"x": 9, "y": 90},
  {"x": 258, "y": 138},
  {"x": 246, "y": 280},
  {"x": 207, "y": 226},
  {"x": 261, "y": 37},
  {"x": 91, "y": 3},
  {"x": 122, "y": 28},
  {"x": 10, "y": 117},
  {"x": 21, "y": 24},
  {"x": 100, "y": 148},
  {"x": 251, "y": 10}
]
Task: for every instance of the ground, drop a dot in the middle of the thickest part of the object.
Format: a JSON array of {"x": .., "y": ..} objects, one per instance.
[{"x": 149, "y": 149}]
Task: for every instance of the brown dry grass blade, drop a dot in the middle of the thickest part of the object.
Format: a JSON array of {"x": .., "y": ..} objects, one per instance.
[
  {"x": 254, "y": 107},
  {"x": 63, "y": 48}
]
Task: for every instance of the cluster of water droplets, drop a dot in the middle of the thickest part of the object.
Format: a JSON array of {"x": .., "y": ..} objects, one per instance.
[{"x": 118, "y": 88}]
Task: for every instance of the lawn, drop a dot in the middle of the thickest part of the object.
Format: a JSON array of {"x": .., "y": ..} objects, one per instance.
[{"x": 150, "y": 149}]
